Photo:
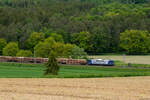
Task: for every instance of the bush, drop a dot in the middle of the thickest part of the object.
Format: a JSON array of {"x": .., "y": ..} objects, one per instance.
[
  {"x": 24, "y": 53},
  {"x": 11, "y": 49}
]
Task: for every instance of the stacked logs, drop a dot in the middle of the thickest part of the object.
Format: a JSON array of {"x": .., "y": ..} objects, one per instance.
[{"x": 42, "y": 60}]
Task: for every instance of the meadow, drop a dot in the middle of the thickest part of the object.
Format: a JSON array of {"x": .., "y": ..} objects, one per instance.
[{"x": 17, "y": 70}]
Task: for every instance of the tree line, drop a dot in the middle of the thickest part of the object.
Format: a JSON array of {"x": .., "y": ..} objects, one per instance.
[
  {"x": 93, "y": 25},
  {"x": 40, "y": 46}
]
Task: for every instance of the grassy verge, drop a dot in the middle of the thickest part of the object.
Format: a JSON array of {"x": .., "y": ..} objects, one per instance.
[{"x": 15, "y": 70}]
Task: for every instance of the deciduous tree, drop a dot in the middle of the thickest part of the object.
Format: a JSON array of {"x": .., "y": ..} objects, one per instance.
[
  {"x": 42, "y": 49},
  {"x": 11, "y": 49},
  {"x": 135, "y": 41},
  {"x": 34, "y": 39}
]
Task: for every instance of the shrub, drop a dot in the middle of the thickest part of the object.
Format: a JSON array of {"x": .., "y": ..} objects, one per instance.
[{"x": 11, "y": 49}]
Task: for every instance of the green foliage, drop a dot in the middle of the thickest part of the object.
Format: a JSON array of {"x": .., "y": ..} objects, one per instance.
[
  {"x": 135, "y": 41},
  {"x": 3, "y": 43},
  {"x": 11, "y": 49},
  {"x": 43, "y": 49},
  {"x": 78, "y": 53},
  {"x": 34, "y": 39},
  {"x": 52, "y": 65},
  {"x": 59, "y": 49},
  {"x": 62, "y": 50},
  {"x": 81, "y": 39},
  {"x": 57, "y": 37},
  {"x": 98, "y": 41},
  {"x": 94, "y": 25},
  {"x": 24, "y": 53},
  {"x": 68, "y": 50}
]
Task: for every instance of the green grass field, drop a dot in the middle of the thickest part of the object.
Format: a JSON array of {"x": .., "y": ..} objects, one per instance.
[{"x": 15, "y": 70}]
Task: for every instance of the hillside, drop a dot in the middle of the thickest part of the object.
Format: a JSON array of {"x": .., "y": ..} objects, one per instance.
[{"x": 103, "y": 20}]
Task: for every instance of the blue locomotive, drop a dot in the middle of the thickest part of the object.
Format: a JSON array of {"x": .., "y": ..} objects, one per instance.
[{"x": 101, "y": 62}]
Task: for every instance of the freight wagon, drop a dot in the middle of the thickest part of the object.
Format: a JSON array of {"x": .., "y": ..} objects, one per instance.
[
  {"x": 59, "y": 60},
  {"x": 42, "y": 60}
]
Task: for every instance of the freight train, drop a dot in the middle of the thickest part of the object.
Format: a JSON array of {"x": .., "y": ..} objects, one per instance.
[{"x": 59, "y": 60}]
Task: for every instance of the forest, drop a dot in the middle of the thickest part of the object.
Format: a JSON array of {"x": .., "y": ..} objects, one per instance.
[{"x": 97, "y": 26}]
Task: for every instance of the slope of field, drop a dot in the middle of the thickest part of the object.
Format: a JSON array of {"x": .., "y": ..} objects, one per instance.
[
  {"x": 76, "y": 89},
  {"x": 127, "y": 59},
  {"x": 16, "y": 70}
]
